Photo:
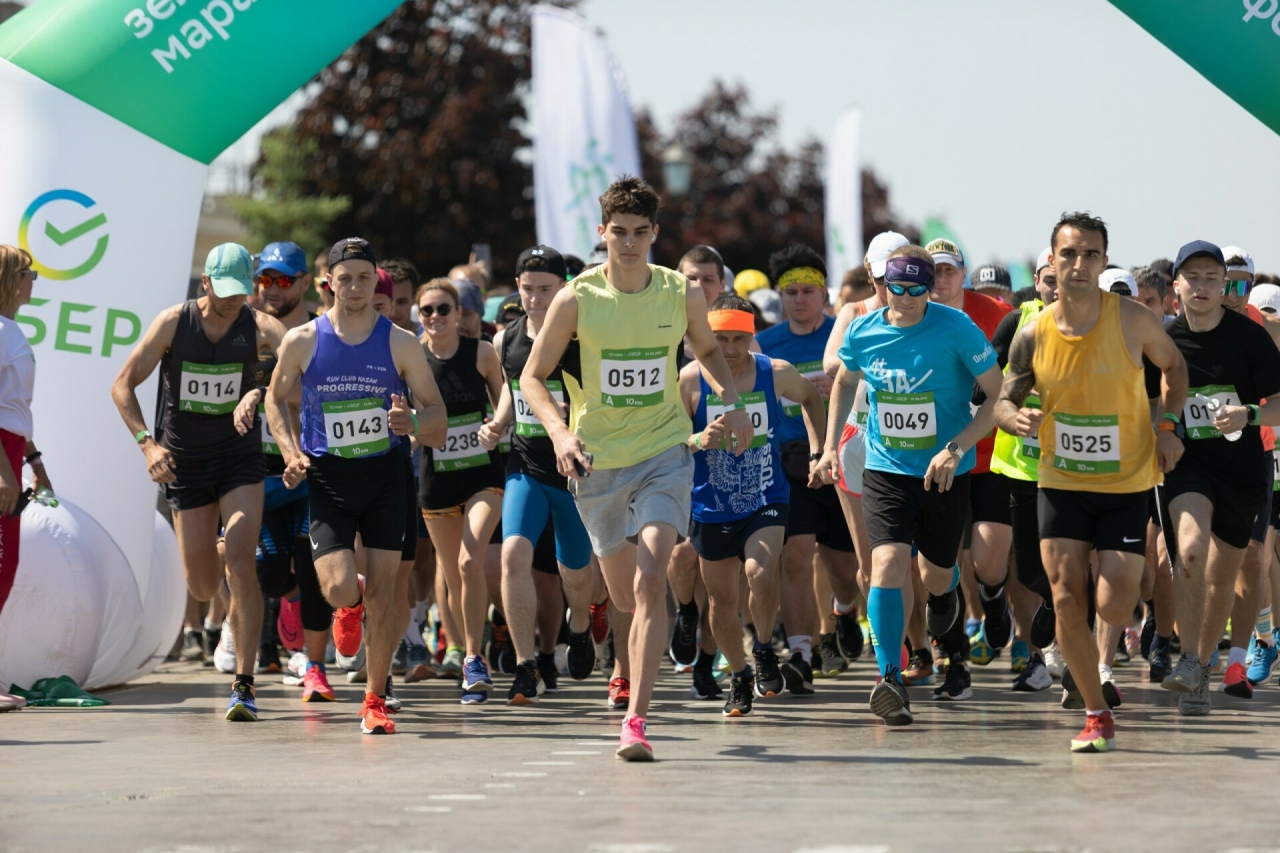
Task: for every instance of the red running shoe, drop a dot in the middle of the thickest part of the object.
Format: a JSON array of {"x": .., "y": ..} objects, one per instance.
[
  {"x": 1099, "y": 734},
  {"x": 600, "y": 621},
  {"x": 373, "y": 716},
  {"x": 348, "y": 627},
  {"x": 619, "y": 694},
  {"x": 1236, "y": 682}
]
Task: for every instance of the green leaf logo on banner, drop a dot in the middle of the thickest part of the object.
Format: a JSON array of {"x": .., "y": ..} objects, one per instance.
[{"x": 1234, "y": 45}]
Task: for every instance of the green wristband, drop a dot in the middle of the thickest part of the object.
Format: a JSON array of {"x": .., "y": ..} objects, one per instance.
[
  {"x": 697, "y": 441},
  {"x": 733, "y": 407},
  {"x": 142, "y": 436},
  {"x": 1170, "y": 416},
  {"x": 414, "y": 417},
  {"x": 1255, "y": 414}
]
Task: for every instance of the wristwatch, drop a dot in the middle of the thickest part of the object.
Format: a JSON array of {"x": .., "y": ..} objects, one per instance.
[{"x": 953, "y": 449}]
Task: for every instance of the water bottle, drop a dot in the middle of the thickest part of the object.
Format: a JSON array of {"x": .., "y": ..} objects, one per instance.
[
  {"x": 44, "y": 497},
  {"x": 1213, "y": 405}
]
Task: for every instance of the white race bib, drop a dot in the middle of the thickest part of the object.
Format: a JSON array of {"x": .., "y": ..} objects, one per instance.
[
  {"x": 462, "y": 448},
  {"x": 210, "y": 389},
  {"x": 527, "y": 422},
  {"x": 1197, "y": 417},
  {"x": 631, "y": 378},
  {"x": 757, "y": 410},
  {"x": 809, "y": 370},
  {"x": 269, "y": 445},
  {"x": 356, "y": 428},
  {"x": 1087, "y": 444},
  {"x": 907, "y": 421}
]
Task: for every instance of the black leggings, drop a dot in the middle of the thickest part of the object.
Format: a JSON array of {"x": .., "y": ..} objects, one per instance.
[{"x": 1023, "y": 498}]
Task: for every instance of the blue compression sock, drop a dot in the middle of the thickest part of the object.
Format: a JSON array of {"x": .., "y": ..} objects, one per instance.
[
  {"x": 884, "y": 611},
  {"x": 955, "y": 577}
]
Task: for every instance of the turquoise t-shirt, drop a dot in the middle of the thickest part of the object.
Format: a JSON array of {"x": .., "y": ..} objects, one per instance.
[{"x": 920, "y": 382}]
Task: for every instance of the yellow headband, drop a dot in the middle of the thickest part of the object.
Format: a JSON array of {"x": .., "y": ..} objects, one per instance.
[{"x": 801, "y": 275}]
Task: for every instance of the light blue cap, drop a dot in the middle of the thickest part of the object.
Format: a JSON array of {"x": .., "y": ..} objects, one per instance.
[{"x": 230, "y": 269}]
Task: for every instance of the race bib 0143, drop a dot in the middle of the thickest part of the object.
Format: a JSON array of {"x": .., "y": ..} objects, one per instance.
[{"x": 356, "y": 428}]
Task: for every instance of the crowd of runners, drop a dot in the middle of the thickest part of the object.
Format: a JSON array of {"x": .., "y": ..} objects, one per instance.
[{"x": 422, "y": 483}]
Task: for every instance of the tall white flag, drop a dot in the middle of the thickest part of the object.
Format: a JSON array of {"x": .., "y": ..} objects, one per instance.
[
  {"x": 584, "y": 133},
  {"x": 843, "y": 199}
]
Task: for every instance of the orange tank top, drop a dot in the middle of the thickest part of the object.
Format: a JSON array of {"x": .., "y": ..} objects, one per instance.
[{"x": 1097, "y": 434}]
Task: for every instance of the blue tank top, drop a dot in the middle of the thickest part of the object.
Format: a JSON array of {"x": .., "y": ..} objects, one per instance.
[
  {"x": 346, "y": 394},
  {"x": 728, "y": 487},
  {"x": 804, "y": 353}
]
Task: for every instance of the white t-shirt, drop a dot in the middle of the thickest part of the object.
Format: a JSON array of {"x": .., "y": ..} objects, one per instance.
[{"x": 17, "y": 379}]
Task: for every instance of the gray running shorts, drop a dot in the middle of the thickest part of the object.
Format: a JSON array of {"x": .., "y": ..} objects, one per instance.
[{"x": 616, "y": 503}]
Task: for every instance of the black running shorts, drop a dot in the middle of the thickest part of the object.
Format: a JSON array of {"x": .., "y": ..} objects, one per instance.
[
  {"x": 1235, "y": 509},
  {"x": 989, "y": 497},
  {"x": 897, "y": 509},
  {"x": 349, "y": 495},
  {"x": 201, "y": 482},
  {"x": 723, "y": 540},
  {"x": 1111, "y": 522},
  {"x": 817, "y": 512}
]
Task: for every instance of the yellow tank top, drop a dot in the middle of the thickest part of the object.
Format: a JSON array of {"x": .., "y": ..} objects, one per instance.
[
  {"x": 1097, "y": 434},
  {"x": 1013, "y": 456},
  {"x": 627, "y": 408}
]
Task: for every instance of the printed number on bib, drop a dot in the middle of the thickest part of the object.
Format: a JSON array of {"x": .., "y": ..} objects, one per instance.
[
  {"x": 527, "y": 422},
  {"x": 757, "y": 410},
  {"x": 1198, "y": 418},
  {"x": 504, "y": 440},
  {"x": 210, "y": 389},
  {"x": 1031, "y": 445},
  {"x": 631, "y": 378},
  {"x": 269, "y": 445},
  {"x": 809, "y": 370},
  {"x": 907, "y": 421},
  {"x": 356, "y": 428},
  {"x": 462, "y": 448},
  {"x": 1087, "y": 444}
]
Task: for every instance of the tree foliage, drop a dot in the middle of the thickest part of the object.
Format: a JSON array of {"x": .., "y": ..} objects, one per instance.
[{"x": 280, "y": 209}]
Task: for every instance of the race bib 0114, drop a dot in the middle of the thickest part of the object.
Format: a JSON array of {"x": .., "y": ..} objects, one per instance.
[{"x": 210, "y": 389}]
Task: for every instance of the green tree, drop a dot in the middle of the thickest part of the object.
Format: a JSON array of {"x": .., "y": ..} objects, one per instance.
[{"x": 282, "y": 207}]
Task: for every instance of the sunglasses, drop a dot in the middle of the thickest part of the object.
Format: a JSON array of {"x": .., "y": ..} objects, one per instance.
[
  {"x": 284, "y": 282},
  {"x": 28, "y": 271},
  {"x": 431, "y": 310},
  {"x": 1240, "y": 286},
  {"x": 909, "y": 290}
]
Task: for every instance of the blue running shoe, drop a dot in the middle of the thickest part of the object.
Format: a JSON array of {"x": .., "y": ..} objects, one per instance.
[
  {"x": 1248, "y": 655},
  {"x": 474, "y": 697},
  {"x": 1215, "y": 660},
  {"x": 1264, "y": 658},
  {"x": 971, "y": 627},
  {"x": 980, "y": 651},
  {"x": 1020, "y": 656},
  {"x": 242, "y": 708},
  {"x": 475, "y": 675}
]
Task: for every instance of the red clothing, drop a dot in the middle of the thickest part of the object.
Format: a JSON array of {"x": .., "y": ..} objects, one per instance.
[
  {"x": 986, "y": 313},
  {"x": 1268, "y": 434},
  {"x": 10, "y": 525}
]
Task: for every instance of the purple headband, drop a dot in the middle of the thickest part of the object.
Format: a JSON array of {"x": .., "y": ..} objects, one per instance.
[{"x": 905, "y": 270}]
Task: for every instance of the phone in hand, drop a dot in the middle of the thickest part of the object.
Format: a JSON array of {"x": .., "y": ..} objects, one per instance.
[
  {"x": 482, "y": 254},
  {"x": 580, "y": 468}
]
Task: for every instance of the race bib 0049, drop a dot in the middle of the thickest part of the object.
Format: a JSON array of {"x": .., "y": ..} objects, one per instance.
[
  {"x": 633, "y": 378},
  {"x": 907, "y": 421}
]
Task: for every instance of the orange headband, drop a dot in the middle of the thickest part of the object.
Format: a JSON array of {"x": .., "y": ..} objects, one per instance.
[{"x": 732, "y": 321}]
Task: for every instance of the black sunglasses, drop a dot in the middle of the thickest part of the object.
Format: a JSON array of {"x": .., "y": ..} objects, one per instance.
[{"x": 431, "y": 310}]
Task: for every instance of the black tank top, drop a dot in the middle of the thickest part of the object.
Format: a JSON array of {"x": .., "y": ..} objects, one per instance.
[
  {"x": 532, "y": 452},
  {"x": 262, "y": 373},
  {"x": 200, "y": 385},
  {"x": 451, "y": 475}
]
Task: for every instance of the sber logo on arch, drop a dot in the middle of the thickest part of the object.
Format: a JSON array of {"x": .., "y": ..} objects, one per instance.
[{"x": 64, "y": 233}]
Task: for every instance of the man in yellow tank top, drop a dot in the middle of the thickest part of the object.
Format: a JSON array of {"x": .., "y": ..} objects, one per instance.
[
  {"x": 624, "y": 449},
  {"x": 1099, "y": 456}
]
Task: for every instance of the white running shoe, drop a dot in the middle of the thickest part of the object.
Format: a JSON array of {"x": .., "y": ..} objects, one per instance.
[
  {"x": 224, "y": 655},
  {"x": 562, "y": 658},
  {"x": 294, "y": 669},
  {"x": 1053, "y": 661},
  {"x": 350, "y": 664}
]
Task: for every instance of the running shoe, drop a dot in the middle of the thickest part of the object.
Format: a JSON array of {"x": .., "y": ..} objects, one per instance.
[
  {"x": 474, "y": 697},
  {"x": 373, "y": 716},
  {"x": 315, "y": 685},
  {"x": 526, "y": 687},
  {"x": 1019, "y": 656},
  {"x": 289, "y": 624},
  {"x": 418, "y": 664},
  {"x": 1133, "y": 642},
  {"x": 980, "y": 651},
  {"x": 1148, "y": 634},
  {"x": 830, "y": 662},
  {"x": 740, "y": 690},
  {"x": 1122, "y": 652},
  {"x": 890, "y": 702},
  {"x": 209, "y": 638},
  {"x": 451, "y": 665},
  {"x": 294, "y": 668},
  {"x": 192, "y": 646},
  {"x": 351, "y": 663},
  {"x": 1175, "y": 643},
  {"x": 392, "y": 700},
  {"x": 971, "y": 626},
  {"x": 269, "y": 657},
  {"x": 1035, "y": 677},
  {"x": 1044, "y": 626},
  {"x": 1264, "y": 658},
  {"x": 1236, "y": 682},
  {"x": 348, "y": 627},
  {"x": 1159, "y": 662},
  {"x": 939, "y": 656},
  {"x": 942, "y": 611},
  {"x": 1185, "y": 677},
  {"x": 632, "y": 745},
  {"x": 704, "y": 684},
  {"x": 550, "y": 674},
  {"x": 475, "y": 675},
  {"x": 581, "y": 657},
  {"x": 1215, "y": 661},
  {"x": 224, "y": 654},
  {"x": 1053, "y": 661},
  {"x": 1110, "y": 692},
  {"x": 400, "y": 660},
  {"x": 848, "y": 634},
  {"x": 1072, "y": 700},
  {"x": 1197, "y": 702},
  {"x": 768, "y": 676},
  {"x": 1098, "y": 735},
  {"x": 500, "y": 650},
  {"x": 619, "y": 694},
  {"x": 997, "y": 624},
  {"x": 1248, "y": 654},
  {"x": 600, "y": 621},
  {"x": 798, "y": 675},
  {"x": 684, "y": 640},
  {"x": 957, "y": 686},
  {"x": 242, "y": 708},
  {"x": 919, "y": 670}
]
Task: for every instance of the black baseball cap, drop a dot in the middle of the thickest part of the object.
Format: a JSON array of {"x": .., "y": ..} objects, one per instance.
[
  {"x": 351, "y": 249},
  {"x": 991, "y": 275},
  {"x": 1196, "y": 249},
  {"x": 554, "y": 261}
]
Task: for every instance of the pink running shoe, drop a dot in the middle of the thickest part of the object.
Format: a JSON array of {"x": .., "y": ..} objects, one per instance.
[
  {"x": 633, "y": 746},
  {"x": 289, "y": 624},
  {"x": 315, "y": 685}
]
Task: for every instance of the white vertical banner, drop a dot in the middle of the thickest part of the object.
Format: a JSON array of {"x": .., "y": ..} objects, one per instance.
[
  {"x": 843, "y": 198},
  {"x": 584, "y": 132}
]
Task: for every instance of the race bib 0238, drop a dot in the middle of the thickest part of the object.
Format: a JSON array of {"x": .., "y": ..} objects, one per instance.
[{"x": 462, "y": 448}]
